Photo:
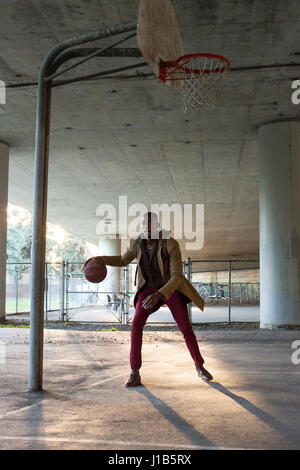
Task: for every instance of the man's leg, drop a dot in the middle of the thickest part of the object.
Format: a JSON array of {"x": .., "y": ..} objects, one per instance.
[
  {"x": 180, "y": 313},
  {"x": 138, "y": 323}
]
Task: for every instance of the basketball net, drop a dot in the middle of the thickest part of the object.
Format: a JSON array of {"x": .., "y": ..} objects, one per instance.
[
  {"x": 200, "y": 89},
  {"x": 201, "y": 75}
]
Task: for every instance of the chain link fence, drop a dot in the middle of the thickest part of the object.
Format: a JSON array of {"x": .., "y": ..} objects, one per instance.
[
  {"x": 84, "y": 301},
  {"x": 230, "y": 290},
  {"x": 18, "y": 288}
]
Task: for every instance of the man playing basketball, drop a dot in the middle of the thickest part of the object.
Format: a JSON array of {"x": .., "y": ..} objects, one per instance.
[{"x": 160, "y": 280}]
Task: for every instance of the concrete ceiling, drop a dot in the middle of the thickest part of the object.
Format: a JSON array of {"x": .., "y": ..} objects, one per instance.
[{"x": 126, "y": 134}]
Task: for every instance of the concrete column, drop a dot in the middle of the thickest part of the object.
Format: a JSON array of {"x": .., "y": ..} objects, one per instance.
[
  {"x": 4, "y": 155},
  {"x": 111, "y": 284},
  {"x": 279, "y": 224}
]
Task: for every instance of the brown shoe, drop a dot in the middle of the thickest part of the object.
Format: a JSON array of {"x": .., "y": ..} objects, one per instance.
[
  {"x": 134, "y": 379},
  {"x": 204, "y": 374}
]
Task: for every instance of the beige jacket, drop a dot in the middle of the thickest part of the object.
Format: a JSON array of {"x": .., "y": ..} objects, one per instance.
[{"x": 171, "y": 271}]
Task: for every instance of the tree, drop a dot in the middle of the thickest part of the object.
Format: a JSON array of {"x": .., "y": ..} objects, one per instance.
[{"x": 67, "y": 247}]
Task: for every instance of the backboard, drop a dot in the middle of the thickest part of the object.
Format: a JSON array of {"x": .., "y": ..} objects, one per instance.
[{"x": 158, "y": 35}]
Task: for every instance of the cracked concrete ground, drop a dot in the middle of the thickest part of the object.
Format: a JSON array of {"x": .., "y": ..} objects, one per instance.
[{"x": 253, "y": 402}]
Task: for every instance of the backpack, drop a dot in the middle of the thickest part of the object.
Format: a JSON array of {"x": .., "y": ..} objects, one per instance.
[{"x": 164, "y": 252}]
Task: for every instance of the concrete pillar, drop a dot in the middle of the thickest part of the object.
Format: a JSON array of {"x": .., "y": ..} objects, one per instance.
[
  {"x": 4, "y": 155},
  {"x": 111, "y": 284},
  {"x": 279, "y": 224}
]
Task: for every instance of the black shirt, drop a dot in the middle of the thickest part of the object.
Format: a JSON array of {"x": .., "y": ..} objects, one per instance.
[{"x": 150, "y": 266}]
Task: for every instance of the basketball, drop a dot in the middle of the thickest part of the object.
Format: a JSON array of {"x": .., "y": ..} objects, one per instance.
[{"x": 95, "y": 271}]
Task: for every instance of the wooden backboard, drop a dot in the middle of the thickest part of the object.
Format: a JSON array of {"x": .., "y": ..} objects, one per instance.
[{"x": 158, "y": 35}]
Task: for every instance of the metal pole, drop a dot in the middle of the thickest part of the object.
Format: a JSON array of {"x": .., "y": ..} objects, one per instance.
[
  {"x": 62, "y": 291},
  {"x": 50, "y": 292},
  {"x": 189, "y": 266},
  {"x": 126, "y": 300},
  {"x": 46, "y": 293},
  {"x": 90, "y": 56},
  {"x": 35, "y": 378},
  {"x": 85, "y": 51},
  {"x": 229, "y": 294},
  {"x": 39, "y": 235},
  {"x": 67, "y": 290},
  {"x": 17, "y": 290},
  {"x": 98, "y": 75}
]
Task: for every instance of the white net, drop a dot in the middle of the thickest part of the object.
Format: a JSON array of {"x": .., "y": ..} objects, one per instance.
[{"x": 202, "y": 76}]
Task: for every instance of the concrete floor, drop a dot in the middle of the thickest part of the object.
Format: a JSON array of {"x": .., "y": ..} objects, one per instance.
[
  {"x": 98, "y": 313},
  {"x": 212, "y": 313},
  {"x": 253, "y": 402}
]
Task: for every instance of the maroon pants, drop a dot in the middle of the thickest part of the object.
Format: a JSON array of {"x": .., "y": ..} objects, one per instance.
[{"x": 179, "y": 311}]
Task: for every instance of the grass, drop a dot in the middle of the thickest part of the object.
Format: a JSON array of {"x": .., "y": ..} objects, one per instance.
[
  {"x": 13, "y": 326},
  {"x": 107, "y": 329},
  {"x": 23, "y": 305}
]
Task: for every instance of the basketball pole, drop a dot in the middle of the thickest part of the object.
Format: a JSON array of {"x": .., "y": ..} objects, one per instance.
[
  {"x": 39, "y": 235},
  {"x": 42, "y": 137}
]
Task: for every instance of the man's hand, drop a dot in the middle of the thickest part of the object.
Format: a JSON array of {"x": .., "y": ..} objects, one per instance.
[
  {"x": 152, "y": 300},
  {"x": 95, "y": 258}
]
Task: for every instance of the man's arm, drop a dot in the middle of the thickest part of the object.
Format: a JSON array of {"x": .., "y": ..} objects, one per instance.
[
  {"x": 176, "y": 273},
  {"x": 120, "y": 260}
]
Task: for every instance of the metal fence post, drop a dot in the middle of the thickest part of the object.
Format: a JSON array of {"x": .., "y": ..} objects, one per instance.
[
  {"x": 17, "y": 290},
  {"x": 49, "y": 293},
  {"x": 67, "y": 278},
  {"x": 46, "y": 292},
  {"x": 62, "y": 290},
  {"x": 189, "y": 269},
  {"x": 229, "y": 293},
  {"x": 125, "y": 305}
]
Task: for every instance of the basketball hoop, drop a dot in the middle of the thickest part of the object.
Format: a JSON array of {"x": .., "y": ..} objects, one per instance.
[{"x": 201, "y": 75}]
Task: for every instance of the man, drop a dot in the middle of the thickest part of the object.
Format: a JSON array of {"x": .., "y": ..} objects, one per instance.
[{"x": 160, "y": 281}]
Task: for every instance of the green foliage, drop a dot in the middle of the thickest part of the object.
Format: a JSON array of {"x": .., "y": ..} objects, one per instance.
[
  {"x": 19, "y": 242},
  {"x": 73, "y": 249}
]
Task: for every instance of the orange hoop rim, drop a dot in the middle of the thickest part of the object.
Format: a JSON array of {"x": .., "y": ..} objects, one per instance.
[{"x": 167, "y": 69}]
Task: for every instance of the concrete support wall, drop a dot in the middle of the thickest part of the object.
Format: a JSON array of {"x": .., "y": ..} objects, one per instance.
[
  {"x": 4, "y": 157},
  {"x": 110, "y": 247},
  {"x": 279, "y": 224}
]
